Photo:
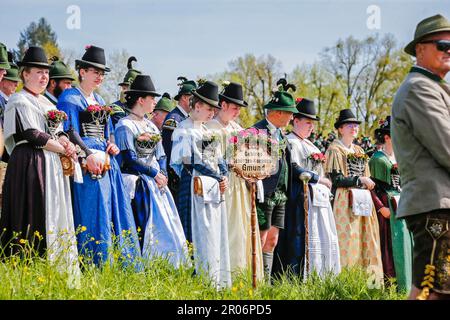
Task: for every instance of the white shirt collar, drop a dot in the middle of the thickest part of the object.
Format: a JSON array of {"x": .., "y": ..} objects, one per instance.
[
  {"x": 52, "y": 97},
  {"x": 4, "y": 95},
  {"x": 183, "y": 111},
  {"x": 271, "y": 126}
]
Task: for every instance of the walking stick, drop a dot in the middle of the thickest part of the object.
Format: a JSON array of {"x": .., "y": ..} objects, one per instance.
[
  {"x": 253, "y": 226},
  {"x": 305, "y": 177}
]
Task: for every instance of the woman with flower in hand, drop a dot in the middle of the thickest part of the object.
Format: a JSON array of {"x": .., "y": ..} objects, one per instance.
[
  {"x": 101, "y": 204},
  {"x": 356, "y": 220},
  {"x": 36, "y": 199},
  {"x": 323, "y": 246},
  {"x": 197, "y": 159},
  {"x": 396, "y": 240},
  {"x": 238, "y": 197},
  {"x": 143, "y": 164}
]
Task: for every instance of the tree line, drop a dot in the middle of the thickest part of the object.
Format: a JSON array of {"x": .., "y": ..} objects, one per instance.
[{"x": 362, "y": 74}]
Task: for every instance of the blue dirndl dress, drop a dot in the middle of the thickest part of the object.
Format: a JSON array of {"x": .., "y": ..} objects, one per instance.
[
  {"x": 101, "y": 205},
  {"x": 154, "y": 209}
]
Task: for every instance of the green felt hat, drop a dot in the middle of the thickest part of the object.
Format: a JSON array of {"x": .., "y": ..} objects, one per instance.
[
  {"x": 165, "y": 103},
  {"x": 282, "y": 100},
  {"x": 131, "y": 73},
  {"x": 12, "y": 74},
  {"x": 186, "y": 87},
  {"x": 434, "y": 24},
  {"x": 4, "y": 63},
  {"x": 60, "y": 70}
]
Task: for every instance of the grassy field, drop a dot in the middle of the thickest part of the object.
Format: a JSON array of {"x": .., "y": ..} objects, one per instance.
[{"x": 37, "y": 279}]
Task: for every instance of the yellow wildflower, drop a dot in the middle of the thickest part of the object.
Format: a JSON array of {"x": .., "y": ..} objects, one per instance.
[
  {"x": 41, "y": 279},
  {"x": 234, "y": 289},
  {"x": 23, "y": 241},
  {"x": 92, "y": 238},
  {"x": 83, "y": 229},
  {"x": 97, "y": 242},
  {"x": 250, "y": 292}
]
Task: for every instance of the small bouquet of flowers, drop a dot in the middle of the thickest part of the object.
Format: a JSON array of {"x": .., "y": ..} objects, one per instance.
[
  {"x": 210, "y": 139},
  {"x": 317, "y": 157},
  {"x": 357, "y": 156},
  {"x": 253, "y": 138},
  {"x": 99, "y": 113},
  {"x": 54, "y": 118},
  {"x": 94, "y": 109},
  {"x": 146, "y": 143}
]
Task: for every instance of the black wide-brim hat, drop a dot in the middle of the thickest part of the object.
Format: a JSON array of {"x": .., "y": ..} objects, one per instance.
[
  {"x": 385, "y": 127},
  {"x": 306, "y": 109},
  {"x": 209, "y": 93},
  {"x": 35, "y": 57},
  {"x": 93, "y": 57},
  {"x": 233, "y": 93},
  {"x": 143, "y": 85},
  {"x": 346, "y": 116}
]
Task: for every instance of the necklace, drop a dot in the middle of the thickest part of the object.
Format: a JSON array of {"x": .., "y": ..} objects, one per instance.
[
  {"x": 36, "y": 95},
  {"x": 84, "y": 92},
  {"x": 137, "y": 116},
  {"x": 298, "y": 135}
]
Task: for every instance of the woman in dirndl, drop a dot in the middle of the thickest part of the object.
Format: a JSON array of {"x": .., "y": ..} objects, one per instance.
[
  {"x": 101, "y": 205},
  {"x": 322, "y": 244},
  {"x": 143, "y": 164},
  {"x": 37, "y": 206},
  {"x": 396, "y": 240},
  {"x": 355, "y": 216},
  {"x": 197, "y": 160}
]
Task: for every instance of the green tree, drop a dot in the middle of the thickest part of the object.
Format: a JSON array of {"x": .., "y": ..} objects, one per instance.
[
  {"x": 368, "y": 72},
  {"x": 258, "y": 77},
  {"x": 110, "y": 89},
  {"x": 315, "y": 83},
  {"x": 38, "y": 34}
]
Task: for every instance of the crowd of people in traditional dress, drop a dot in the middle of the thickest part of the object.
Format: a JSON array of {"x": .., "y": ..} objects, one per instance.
[{"x": 143, "y": 177}]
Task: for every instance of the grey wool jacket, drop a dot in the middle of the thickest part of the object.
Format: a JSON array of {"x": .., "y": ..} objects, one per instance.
[{"x": 421, "y": 141}]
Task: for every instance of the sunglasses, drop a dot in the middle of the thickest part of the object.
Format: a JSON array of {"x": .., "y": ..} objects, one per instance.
[{"x": 441, "y": 45}]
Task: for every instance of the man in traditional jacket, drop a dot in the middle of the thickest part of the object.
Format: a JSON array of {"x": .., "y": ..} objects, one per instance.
[
  {"x": 272, "y": 211},
  {"x": 60, "y": 79},
  {"x": 420, "y": 136},
  {"x": 162, "y": 109},
  {"x": 119, "y": 107},
  {"x": 4, "y": 64},
  {"x": 178, "y": 114},
  {"x": 290, "y": 252},
  {"x": 8, "y": 86}
]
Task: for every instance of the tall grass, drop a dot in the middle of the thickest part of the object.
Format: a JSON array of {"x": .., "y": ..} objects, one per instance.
[{"x": 38, "y": 279}]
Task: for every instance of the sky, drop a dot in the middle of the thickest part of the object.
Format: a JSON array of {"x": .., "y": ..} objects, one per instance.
[{"x": 199, "y": 37}]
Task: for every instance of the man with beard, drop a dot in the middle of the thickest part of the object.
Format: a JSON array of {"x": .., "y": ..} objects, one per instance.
[{"x": 60, "y": 79}]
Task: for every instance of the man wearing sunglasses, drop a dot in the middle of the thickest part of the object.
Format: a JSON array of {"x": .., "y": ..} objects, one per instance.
[{"x": 421, "y": 140}]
